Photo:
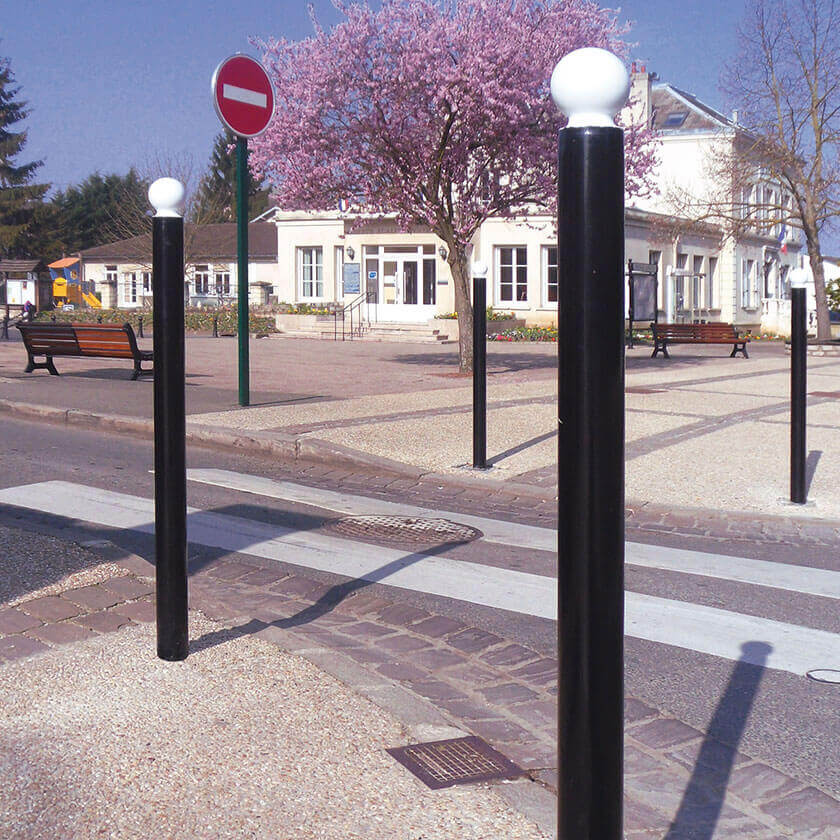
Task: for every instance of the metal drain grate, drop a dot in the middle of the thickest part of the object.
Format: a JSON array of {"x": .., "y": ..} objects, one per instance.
[
  {"x": 642, "y": 389},
  {"x": 832, "y": 395},
  {"x": 403, "y": 529},
  {"x": 440, "y": 764}
]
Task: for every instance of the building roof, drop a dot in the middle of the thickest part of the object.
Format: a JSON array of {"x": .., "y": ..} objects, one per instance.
[
  {"x": 673, "y": 109},
  {"x": 201, "y": 242},
  {"x": 66, "y": 262},
  {"x": 21, "y": 265}
]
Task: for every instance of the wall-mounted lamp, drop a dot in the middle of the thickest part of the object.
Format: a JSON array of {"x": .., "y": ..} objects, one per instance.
[
  {"x": 350, "y": 252},
  {"x": 443, "y": 252}
]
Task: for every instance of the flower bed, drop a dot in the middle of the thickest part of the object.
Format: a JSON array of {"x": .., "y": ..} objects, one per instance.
[{"x": 525, "y": 334}]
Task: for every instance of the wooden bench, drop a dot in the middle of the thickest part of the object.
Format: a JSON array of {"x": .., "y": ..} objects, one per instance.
[
  {"x": 107, "y": 341},
  {"x": 665, "y": 334}
]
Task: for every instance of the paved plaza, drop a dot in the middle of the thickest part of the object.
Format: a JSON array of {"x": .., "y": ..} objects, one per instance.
[{"x": 294, "y": 687}]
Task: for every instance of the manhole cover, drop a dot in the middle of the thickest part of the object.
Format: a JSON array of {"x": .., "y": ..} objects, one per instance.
[
  {"x": 402, "y": 529},
  {"x": 440, "y": 764},
  {"x": 825, "y": 675}
]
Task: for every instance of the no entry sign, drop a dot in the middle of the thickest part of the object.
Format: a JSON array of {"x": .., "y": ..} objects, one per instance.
[{"x": 243, "y": 95}]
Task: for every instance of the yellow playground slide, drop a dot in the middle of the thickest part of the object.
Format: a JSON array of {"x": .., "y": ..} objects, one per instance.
[{"x": 92, "y": 300}]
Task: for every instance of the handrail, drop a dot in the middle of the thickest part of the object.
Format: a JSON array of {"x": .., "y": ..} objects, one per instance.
[{"x": 355, "y": 305}]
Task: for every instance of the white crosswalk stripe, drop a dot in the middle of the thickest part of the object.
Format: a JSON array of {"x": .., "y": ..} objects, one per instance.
[{"x": 708, "y": 630}]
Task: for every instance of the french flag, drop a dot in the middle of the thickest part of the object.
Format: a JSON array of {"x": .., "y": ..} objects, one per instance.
[{"x": 780, "y": 241}]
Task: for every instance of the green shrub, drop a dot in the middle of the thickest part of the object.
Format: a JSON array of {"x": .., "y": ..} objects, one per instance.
[{"x": 195, "y": 320}]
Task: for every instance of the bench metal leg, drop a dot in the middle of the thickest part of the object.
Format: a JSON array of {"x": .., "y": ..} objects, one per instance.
[
  {"x": 47, "y": 365},
  {"x": 659, "y": 348},
  {"x": 739, "y": 348},
  {"x": 139, "y": 371}
]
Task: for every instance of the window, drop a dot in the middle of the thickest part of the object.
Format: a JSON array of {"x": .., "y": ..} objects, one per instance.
[
  {"x": 549, "y": 273},
  {"x": 697, "y": 283},
  {"x": 429, "y": 281},
  {"x": 222, "y": 283},
  {"x": 681, "y": 281},
  {"x": 749, "y": 287},
  {"x": 202, "y": 279},
  {"x": 338, "y": 270},
  {"x": 675, "y": 119},
  {"x": 111, "y": 274},
  {"x": 512, "y": 271},
  {"x": 310, "y": 271},
  {"x": 147, "y": 282},
  {"x": 711, "y": 282},
  {"x": 130, "y": 287}
]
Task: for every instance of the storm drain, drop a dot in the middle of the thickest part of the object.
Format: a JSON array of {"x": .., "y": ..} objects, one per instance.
[
  {"x": 403, "y": 529},
  {"x": 459, "y": 761}
]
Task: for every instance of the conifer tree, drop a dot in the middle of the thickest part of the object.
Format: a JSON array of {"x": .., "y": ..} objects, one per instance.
[
  {"x": 216, "y": 199},
  {"x": 20, "y": 198}
]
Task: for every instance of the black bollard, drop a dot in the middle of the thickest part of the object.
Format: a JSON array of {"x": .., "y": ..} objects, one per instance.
[
  {"x": 798, "y": 377},
  {"x": 5, "y": 326},
  {"x": 170, "y": 420},
  {"x": 215, "y": 326},
  {"x": 591, "y": 446},
  {"x": 480, "y": 366},
  {"x": 140, "y": 327}
]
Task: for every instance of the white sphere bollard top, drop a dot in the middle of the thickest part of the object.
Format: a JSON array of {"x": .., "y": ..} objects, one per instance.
[
  {"x": 590, "y": 86},
  {"x": 166, "y": 195},
  {"x": 479, "y": 269},
  {"x": 798, "y": 278}
]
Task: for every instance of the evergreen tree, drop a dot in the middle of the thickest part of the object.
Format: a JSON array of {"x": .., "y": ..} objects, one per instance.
[
  {"x": 103, "y": 208},
  {"x": 20, "y": 199},
  {"x": 216, "y": 199}
]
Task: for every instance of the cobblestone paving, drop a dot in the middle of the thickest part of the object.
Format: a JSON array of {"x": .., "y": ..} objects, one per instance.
[{"x": 676, "y": 781}]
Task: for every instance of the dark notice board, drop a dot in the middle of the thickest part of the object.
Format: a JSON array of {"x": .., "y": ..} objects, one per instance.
[{"x": 643, "y": 296}]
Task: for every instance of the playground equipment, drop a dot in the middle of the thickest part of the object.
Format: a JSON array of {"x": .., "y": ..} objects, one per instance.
[{"x": 67, "y": 287}]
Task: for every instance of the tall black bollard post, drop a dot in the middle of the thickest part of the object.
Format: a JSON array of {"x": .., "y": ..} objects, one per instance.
[
  {"x": 166, "y": 195},
  {"x": 798, "y": 377},
  {"x": 480, "y": 366},
  {"x": 140, "y": 326},
  {"x": 591, "y": 86}
]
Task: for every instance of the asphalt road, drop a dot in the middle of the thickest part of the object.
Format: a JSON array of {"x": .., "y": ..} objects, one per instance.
[{"x": 778, "y": 716}]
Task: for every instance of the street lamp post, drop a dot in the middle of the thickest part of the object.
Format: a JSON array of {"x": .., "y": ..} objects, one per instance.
[
  {"x": 591, "y": 86},
  {"x": 166, "y": 196},
  {"x": 798, "y": 377},
  {"x": 480, "y": 365}
]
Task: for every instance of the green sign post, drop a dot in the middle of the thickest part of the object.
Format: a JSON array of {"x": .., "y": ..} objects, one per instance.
[
  {"x": 244, "y": 100},
  {"x": 242, "y": 268}
]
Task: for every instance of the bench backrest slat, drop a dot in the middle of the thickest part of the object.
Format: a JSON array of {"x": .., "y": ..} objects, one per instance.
[
  {"x": 62, "y": 339},
  {"x": 695, "y": 331}
]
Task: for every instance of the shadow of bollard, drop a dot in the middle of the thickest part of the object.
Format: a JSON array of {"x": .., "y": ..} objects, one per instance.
[{"x": 704, "y": 796}]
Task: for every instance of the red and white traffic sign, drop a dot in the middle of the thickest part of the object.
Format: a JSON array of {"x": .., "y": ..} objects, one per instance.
[{"x": 243, "y": 95}]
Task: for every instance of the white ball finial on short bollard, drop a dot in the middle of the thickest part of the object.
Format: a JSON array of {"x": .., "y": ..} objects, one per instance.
[
  {"x": 166, "y": 195},
  {"x": 590, "y": 86},
  {"x": 479, "y": 269}
]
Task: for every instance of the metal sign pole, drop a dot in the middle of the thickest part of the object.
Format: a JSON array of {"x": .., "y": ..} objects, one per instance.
[
  {"x": 242, "y": 267},
  {"x": 591, "y": 86}
]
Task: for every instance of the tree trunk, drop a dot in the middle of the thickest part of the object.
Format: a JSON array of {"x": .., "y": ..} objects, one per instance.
[
  {"x": 459, "y": 266},
  {"x": 812, "y": 239}
]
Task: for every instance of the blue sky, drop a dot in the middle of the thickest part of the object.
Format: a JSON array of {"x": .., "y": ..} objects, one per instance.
[{"x": 115, "y": 84}]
